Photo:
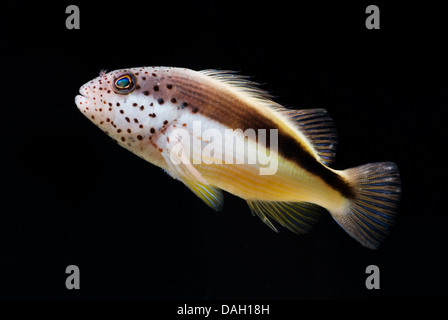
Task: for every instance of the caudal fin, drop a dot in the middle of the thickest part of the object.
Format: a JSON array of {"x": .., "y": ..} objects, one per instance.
[{"x": 368, "y": 215}]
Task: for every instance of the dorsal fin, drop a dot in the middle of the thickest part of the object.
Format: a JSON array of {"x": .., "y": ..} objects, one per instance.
[
  {"x": 315, "y": 124},
  {"x": 318, "y": 127},
  {"x": 242, "y": 84}
]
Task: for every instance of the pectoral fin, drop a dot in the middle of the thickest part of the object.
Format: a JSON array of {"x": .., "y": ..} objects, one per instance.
[{"x": 181, "y": 168}]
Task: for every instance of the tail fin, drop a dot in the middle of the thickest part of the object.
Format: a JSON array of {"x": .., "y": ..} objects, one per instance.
[{"x": 368, "y": 216}]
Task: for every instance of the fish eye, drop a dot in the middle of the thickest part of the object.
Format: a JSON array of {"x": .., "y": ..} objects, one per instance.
[{"x": 124, "y": 84}]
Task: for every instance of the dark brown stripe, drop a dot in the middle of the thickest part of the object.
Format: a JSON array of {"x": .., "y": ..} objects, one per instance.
[{"x": 219, "y": 105}]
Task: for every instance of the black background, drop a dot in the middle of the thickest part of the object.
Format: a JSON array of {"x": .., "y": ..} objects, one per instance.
[{"x": 70, "y": 195}]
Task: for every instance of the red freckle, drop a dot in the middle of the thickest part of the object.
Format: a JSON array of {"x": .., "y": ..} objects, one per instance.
[
  {"x": 184, "y": 125},
  {"x": 93, "y": 117},
  {"x": 87, "y": 108},
  {"x": 160, "y": 149},
  {"x": 108, "y": 91},
  {"x": 101, "y": 122},
  {"x": 107, "y": 120},
  {"x": 100, "y": 109},
  {"x": 110, "y": 109}
]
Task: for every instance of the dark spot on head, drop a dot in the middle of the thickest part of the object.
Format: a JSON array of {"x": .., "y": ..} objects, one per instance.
[
  {"x": 123, "y": 139},
  {"x": 140, "y": 126},
  {"x": 135, "y": 120},
  {"x": 154, "y": 75},
  {"x": 137, "y": 87},
  {"x": 151, "y": 104},
  {"x": 142, "y": 107},
  {"x": 143, "y": 78},
  {"x": 107, "y": 120},
  {"x": 194, "y": 109},
  {"x": 146, "y": 93},
  {"x": 160, "y": 101},
  {"x": 93, "y": 117},
  {"x": 110, "y": 104},
  {"x": 118, "y": 104},
  {"x": 165, "y": 122},
  {"x": 139, "y": 137},
  {"x": 173, "y": 100},
  {"x": 108, "y": 91},
  {"x": 152, "y": 130},
  {"x": 121, "y": 111},
  {"x": 134, "y": 104},
  {"x": 129, "y": 130},
  {"x": 169, "y": 86},
  {"x": 118, "y": 130},
  {"x": 127, "y": 119},
  {"x": 156, "y": 88}
]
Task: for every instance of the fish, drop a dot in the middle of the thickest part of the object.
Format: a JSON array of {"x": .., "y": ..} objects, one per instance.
[{"x": 216, "y": 131}]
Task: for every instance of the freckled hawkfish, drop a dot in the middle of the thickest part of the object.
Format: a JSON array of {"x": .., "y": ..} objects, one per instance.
[{"x": 172, "y": 116}]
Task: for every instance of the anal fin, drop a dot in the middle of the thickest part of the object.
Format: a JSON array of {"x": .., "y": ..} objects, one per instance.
[{"x": 298, "y": 217}]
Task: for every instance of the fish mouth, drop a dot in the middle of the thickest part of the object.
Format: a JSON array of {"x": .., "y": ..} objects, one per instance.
[{"x": 81, "y": 101}]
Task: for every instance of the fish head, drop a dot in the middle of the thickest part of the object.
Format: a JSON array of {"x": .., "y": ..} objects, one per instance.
[{"x": 121, "y": 104}]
